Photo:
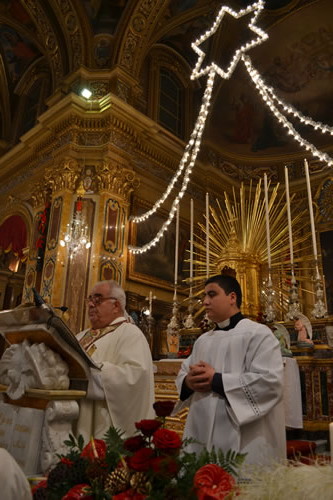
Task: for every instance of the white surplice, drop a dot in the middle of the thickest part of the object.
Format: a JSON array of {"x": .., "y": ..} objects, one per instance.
[
  {"x": 126, "y": 380},
  {"x": 14, "y": 484},
  {"x": 250, "y": 419}
]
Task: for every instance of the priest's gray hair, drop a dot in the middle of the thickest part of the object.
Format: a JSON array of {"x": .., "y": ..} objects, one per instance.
[{"x": 116, "y": 291}]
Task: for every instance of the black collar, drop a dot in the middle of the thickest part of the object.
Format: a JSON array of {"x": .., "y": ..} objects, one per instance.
[{"x": 233, "y": 322}]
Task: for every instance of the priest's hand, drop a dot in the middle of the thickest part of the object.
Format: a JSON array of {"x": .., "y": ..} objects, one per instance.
[{"x": 200, "y": 376}]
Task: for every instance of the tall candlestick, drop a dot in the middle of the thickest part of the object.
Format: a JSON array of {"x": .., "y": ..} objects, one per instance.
[
  {"x": 207, "y": 235},
  {"x": 177, "y": 246},
  {"x": 314, "y": 242},
  {"x": 150, "y": 302},
  {"x": 267, "y": 224},
  {"x": 191, "y": 247},
  {"x": 289, "y": 218}
]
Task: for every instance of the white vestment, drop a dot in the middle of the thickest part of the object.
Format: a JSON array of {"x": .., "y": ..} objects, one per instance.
[
  {"x": 126, "y": 380},
  {"x": 250, "y": 419},
  {"x": 14, "y": 484}
]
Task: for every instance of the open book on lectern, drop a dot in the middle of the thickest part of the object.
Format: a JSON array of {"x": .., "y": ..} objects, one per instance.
[{"x": 41, "y": 324}]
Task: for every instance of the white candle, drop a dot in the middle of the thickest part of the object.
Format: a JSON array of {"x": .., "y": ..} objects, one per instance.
[
  {"x": 177, "y": 246},
  {"x": 314, "y": 242},
  {"x": 289, "y": 218},
  {"x": 150, "y": 302},
  {"x": 331, "y": 440},
  {"x": 191, "y": 247},
  {"x": 267, "y": 224},
  {"x": 207, "y": 235}
]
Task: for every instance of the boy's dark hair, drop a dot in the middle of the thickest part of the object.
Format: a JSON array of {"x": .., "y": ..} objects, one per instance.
[{"x": 228, "y": 284}]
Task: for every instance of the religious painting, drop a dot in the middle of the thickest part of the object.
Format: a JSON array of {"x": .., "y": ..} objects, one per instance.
[
  {"x": 18, "y": 52},
  {"x": 298, "y": 69},
  {"x": 157, "y": 265}
]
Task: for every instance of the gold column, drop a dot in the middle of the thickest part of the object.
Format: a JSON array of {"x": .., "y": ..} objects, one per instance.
[
  {"x": 116, "y": 181},
  {"x": 32, "y": 275},
  {"x": 62, "y": 181}
]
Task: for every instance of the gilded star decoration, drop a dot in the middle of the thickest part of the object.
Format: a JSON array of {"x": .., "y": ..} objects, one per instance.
[{"x": 260, "y": 37}]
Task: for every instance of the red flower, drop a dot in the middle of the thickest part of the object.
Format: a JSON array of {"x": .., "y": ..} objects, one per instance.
[
  {"x": 212, "y": 482},
  {"x": 41, "y": 485},
  {"x": 166, "y": 440},
  {"x": 79, "y": 491},
  {"x": 129, "y": 495},
  {"x": 40, "y": 242},
  {"x": 141, "y": 459},
  {"x": 163, "y": 408},
  {"x": 134, "y": 443},
  {"x": 165, "y": 466},
  {"x": 148, "y": 427},
  {"x": 66, "y": 461},
  {"x": 96, "y": 448}
]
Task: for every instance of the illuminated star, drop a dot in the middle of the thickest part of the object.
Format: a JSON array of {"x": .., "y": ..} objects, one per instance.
[{"x": 261, "y": 36}]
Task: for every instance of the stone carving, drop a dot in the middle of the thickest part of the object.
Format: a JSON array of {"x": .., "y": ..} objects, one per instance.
[
  {"x": 59, "y": 416},
  {"x": 117, "y": 180},
  {"x": 64, "y": 177},
  {"x": 47, "y": 33},
  {"x": 24, "y": 366}
]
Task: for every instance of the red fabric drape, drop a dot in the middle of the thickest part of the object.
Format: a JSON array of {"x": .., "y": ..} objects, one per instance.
[{"x": 13, "y": 235}]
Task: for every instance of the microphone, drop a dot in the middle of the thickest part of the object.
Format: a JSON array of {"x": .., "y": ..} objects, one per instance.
[{"x": 39, "y": 301}]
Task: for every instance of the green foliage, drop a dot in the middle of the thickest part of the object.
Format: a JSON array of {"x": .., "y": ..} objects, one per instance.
[
  {"x": 114, "y": 447},
  {"x": 74, "y": 445},
  {"x": 160, "y": 483},
  {"x": 181, "y": 487}
]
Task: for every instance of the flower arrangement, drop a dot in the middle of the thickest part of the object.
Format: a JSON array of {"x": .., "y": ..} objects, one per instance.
[{"x": 153, "y": 464}]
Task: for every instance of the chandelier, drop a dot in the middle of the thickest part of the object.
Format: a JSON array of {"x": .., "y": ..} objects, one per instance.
[{"x": 76, "y": 237}]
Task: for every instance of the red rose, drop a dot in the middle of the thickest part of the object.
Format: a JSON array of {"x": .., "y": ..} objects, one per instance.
[
  {"x": 134, "y": 443},
  {"x": 148, "y": 427},
  {"x": 140, "y": 461},
  {"x": 165, "y": 466},
  {"x": 212, "y": 482},
  {"x": 129, "y": 495},
  {"x": 164, "y": 439},
  {"x": 163, "y": 408},
  {"x": 96, "y": 448},
  {"x": 79, "y": 491}
]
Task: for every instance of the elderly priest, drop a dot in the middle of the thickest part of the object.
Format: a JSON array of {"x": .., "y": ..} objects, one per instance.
[{"x": 122, "y": 392}]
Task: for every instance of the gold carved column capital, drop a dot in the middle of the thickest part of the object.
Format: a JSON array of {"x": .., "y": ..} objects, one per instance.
[
  {"x": 117, "y": 180},
  {"x": 39, "y": 195},
  {"x": 64, "y": 177}
]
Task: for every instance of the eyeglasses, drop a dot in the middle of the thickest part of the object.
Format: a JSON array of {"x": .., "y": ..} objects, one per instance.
[{"x": 98, "y": 299}]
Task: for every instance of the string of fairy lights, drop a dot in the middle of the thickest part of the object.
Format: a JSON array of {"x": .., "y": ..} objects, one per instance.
[
  {"x": 269, "y": 96},
  {"x": 276, "y": 105},
  {"x": 190, "y": 155}
]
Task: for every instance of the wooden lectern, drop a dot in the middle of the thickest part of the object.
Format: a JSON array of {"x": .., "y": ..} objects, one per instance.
[{"x": 34, "y": 425}]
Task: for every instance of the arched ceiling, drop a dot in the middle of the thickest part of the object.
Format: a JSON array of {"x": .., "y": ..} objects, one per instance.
[{"x": 47, "y": 40}]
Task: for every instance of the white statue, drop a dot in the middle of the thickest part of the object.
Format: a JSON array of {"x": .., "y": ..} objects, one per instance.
[{"x": 24, "y": 366}]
